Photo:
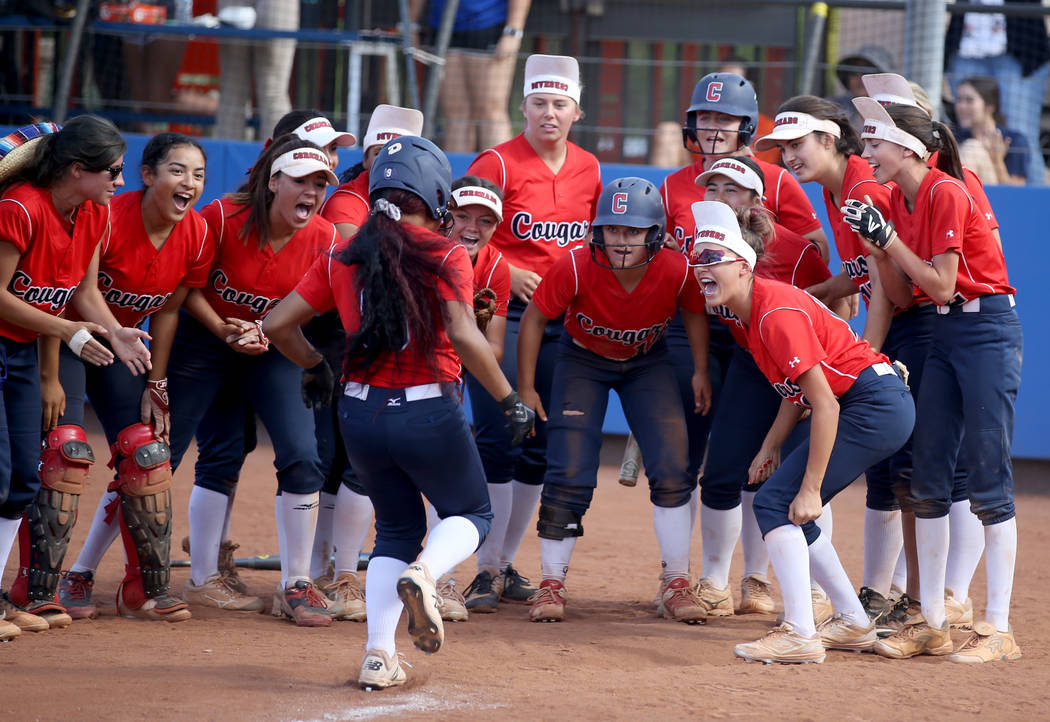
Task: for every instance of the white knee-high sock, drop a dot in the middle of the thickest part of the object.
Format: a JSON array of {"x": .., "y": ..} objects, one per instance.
[
  {"x": 350, "y": 525},
  {"x": 8, "y": 534},
  {"x": 790, "y": 557},
  {"x": 931, "y": 538},
  {"x": 826, "y": 568},
  {"x": 382, "y": 604},
  {"x": 501, "y": 498},
  {"x": 826, "y": 522},
  {"x": 965, "y": 547},
  {"x": 453, "y": 540},
  {"x": 554, "y": 557},
  {"x": 1001, "y": 546},
  {"x": 672, "y": 534},
  {"x": 883, "y": 542},
  {"x": 297, "y": 521},
  {"x": 322, "y": 535},
  {"x": 756, "y": 556},
  {"x": 525, "y": 499},
  {"x": 100, "y": 536},
  {"x": 719, "y": 530},
  {"x": 207, "y": 509}
]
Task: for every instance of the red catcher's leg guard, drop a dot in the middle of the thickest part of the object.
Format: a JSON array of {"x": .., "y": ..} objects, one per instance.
[
  {"x": 144, "y": 485},
  {"x": 65, "y": 462}
]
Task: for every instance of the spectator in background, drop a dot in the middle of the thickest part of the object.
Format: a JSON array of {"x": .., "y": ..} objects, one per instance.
[
  {"x": 850, "y": 68},
  {"x": 1016, "y": 52},
  {"x": 479, "y": 69},
  {"x": 266, "y": 64},
  {"x": 998, "y": 155}
]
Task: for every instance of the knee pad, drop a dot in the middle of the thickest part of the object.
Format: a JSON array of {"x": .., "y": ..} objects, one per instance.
[
  {"x": 145, "y": 465},
  {"x": 66, "y": 459},
  {"x": 557, "y": 523}
]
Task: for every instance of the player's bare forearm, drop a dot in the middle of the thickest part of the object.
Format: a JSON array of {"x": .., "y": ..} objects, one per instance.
[
  {"x": 530, "y": 336},
  {"x": 473, "y": 349},
  {"x": 937, "y": 280},
  {"x": 495, "y": 334},
  {"x": 787, "y": 418},
  {"x": 885, "y": 272},
  {"x": 284, "y": 327},
  {"x": 831, "y": 290}
]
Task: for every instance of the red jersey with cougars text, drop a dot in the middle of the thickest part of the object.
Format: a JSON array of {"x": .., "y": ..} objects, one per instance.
[
  {"x": 544, "y": 214},
  {"x": 348, "y": 203},
  {"x": 789, "y": 332},
  {"x": 491, "y": 271},
  {"x": 784, "y": 198},
  {"x": 603, "y": 317},
  {"x": 246, "y": 282},
  {"x": 54, "y": 255},
  {"x": 788, "y": 258},
  {"x": 857, "y": 182},
  {"x": 947, "y": 219},
  {"x": 135, "y": 278},
  {"x": 330, "y": 284},
  {"x": 976, "y": 189}
]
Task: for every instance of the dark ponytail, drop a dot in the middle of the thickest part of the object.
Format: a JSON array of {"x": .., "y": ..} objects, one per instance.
[
  {"x": 933, "y": 134},
  {"x": 397, "y": 277},
  {"x": 92, "y": 141},
  {"x": 849, "y": 142}
]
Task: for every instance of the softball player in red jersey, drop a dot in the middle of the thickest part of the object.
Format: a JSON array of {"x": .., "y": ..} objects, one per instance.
[
  {"x": 972, "y": 372},
  {"x": 861, "y": 412},
  {"x": 55, "y": 189},
  {"x": 348, "y": 206},
  {"x": 267, "y": 235},
  {"x": 157, "y": 249},
  {"x": 405, "y": 429},
  {"x": 618, "y": 298},
  {"x": 726, "y": 498},
  {"x": 550, "y": 187}
]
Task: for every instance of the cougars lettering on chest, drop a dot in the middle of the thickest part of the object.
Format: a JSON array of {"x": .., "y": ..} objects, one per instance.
[
  {"x": 563, "y": 233},
  {"x": 259, "y": 305},
  {"x": 56, "y": 298},
  {"x": 139, "y": 302},
  {"x": 643, "y": 337}
]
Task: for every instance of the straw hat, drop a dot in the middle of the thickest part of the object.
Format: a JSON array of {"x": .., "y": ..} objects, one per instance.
[{"x": 16, "y": 149}]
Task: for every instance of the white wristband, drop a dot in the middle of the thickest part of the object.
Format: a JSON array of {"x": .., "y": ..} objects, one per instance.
[{"x": 81, "y": 337}]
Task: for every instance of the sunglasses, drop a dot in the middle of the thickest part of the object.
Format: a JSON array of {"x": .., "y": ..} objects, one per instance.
[
  {"x": 709, "y": 257},
  {"x": 113, "y": 170}
]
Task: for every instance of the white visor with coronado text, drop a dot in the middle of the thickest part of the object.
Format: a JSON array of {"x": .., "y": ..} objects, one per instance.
[
  {"x": 789, "y": 126},
  {"x": 735, "y": 171},
  {"x": 717, "y": 223},
  {"x": 302, "y": 162},
  {"x": 478, "y": 196}
]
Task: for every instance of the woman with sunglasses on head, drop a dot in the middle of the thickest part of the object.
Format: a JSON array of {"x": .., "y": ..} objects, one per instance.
[
  {"x": 550, "y": 187},
  {"x": 861, "y": 412},
  {"x": 618, "y": 296},
  {"x": 403, "y": 292},
  {"x": 55, "y": 188},
  {"x": 267, "y": 234},
  {"x": 740, "y": 423},
  {"x": 158, "y": 248},
  {"x": 945, "y": 251}
]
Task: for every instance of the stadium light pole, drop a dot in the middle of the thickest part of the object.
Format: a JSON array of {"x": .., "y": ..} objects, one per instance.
[
  {"x": 924, "y": 46},
  {"x": 60, "y": 104}
]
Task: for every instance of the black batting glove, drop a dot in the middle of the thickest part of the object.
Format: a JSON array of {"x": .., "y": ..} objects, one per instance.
[
  {"x": 318, "y": 385},
  {"x": 868, "y": 221},
  {"x": 520, "y": 418}
]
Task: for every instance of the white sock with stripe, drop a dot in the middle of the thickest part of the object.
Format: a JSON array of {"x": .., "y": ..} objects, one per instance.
[
  {"x": 322, "y": 535},
  {"x": 296, "y": 522}
]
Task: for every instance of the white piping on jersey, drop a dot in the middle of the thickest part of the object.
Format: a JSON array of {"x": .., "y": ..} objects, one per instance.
[
  {"x": 810, "y": 319},
  {"x": 492, "y": 271},
  {"x": 222, "y": 222},
  {"x": 962, "y": 256},
  {"x": 575, "y": 272},
  {"x": 684, "y": 278},
  {"x": 780, "y": 179},
  {"x": 24, "y": 210},
  {"x": 503, "y": 169},
  {"x": 799, "y": 261}
]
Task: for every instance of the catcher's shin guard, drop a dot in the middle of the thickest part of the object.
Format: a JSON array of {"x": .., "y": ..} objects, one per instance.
[
  {"x": 65, "y": 461},
  {"x": 144, "y": 485}
]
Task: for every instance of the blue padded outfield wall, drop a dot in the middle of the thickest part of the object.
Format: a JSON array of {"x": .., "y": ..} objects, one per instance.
[{"x": 1023, "y": 216}]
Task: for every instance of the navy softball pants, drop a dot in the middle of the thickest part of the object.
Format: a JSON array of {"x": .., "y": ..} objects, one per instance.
[
  {"x": 579, "y": 398},
  {"x": 969, "y": 387},
  {"x": 876, "y": 417},
  {"x": 20, "y": 412},
  {"x": 401, "y": 449}
]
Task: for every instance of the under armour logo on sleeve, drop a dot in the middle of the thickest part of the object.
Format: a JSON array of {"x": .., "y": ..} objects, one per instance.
[{"x": 794, "y": 362}]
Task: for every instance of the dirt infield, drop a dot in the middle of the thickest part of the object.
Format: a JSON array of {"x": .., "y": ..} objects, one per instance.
[{"x": 611, "y": 659}]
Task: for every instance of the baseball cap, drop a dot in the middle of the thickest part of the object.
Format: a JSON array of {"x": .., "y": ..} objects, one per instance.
[
  {"x": 391, "y": 121},
  {"x": 735, "y": 171},
  {"x": 554, "y": 74},
  {"x": 717, "y": 223},
  {"x": 789, "y": 126},
  {"x": 302, "y": 162},
  {"x": 320, "y": 132}
]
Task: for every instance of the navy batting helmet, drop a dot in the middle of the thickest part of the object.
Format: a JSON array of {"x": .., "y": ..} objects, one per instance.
[
  {"x": 415, "y": 165},
  {"x": 726, "y": 93},
  {"x": 632, "y": 203}
]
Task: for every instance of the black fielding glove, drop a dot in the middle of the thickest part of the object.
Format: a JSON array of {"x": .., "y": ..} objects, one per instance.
[
  {"x": 318, "y": 385},
  {"x": 868, "y": 221},
  {"x": 520, "y": 418}
]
